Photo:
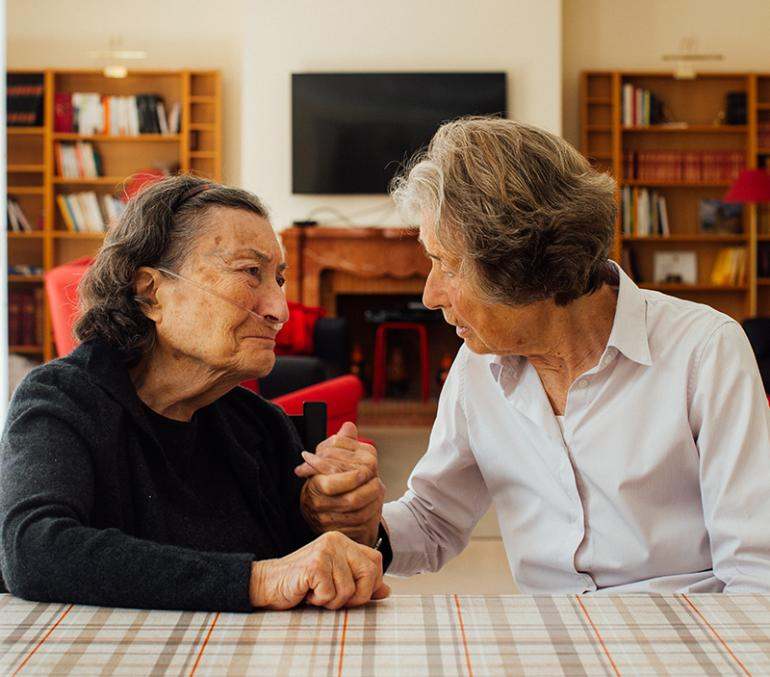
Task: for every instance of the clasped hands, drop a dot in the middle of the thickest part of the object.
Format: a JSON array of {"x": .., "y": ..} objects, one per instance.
[{"x": 342, "y": 501}]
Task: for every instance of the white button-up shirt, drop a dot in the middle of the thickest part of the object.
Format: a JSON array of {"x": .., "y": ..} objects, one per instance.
[{"x": 660, "y": 480}]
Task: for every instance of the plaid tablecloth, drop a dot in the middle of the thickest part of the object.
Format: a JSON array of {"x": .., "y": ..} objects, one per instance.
[{"x": 405, "y": 635}]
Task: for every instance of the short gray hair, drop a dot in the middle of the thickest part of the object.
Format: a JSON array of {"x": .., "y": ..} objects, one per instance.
[
  {"x": 158, "y": 229},
  {"x": 524, "y": 212}
]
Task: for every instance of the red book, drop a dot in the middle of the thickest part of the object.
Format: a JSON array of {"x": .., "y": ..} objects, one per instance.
[{"x": 63, "y": 117}]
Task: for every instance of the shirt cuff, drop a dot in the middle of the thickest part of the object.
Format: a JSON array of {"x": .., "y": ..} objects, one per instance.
[{"x": 405, "y": 539}]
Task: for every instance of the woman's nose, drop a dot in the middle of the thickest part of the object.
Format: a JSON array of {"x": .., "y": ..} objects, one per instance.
[
  {"x": 432, "y": 295},
  {"x": 274, "y": 306}
]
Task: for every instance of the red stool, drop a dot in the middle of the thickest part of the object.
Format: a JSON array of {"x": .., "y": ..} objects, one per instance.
[{"x": 380, "y": 351}]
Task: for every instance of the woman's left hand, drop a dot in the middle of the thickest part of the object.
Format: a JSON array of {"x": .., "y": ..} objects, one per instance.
[{"x": 343, "y": 492}]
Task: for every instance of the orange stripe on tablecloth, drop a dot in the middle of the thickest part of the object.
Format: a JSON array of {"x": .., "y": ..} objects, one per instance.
[
  {"x": 205, "y": 642},
  {"x": 598, "y": 635},
  {"x": 342, "y": 643},
  {"x": 462, "y": 634},
  {"x": 42, "y": 640},
  {"x": 717, "y": 635}
]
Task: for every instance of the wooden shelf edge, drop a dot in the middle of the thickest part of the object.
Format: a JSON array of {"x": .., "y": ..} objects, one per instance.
[
  {"x": 676, "y": 184},
  {"x": 657, "y": 239},
  {"x": 29, "y": 169},
  {"x": 25, "y": 278},
  {"x": 25, "y": 190},
  {"x": 26, "y": 350},
  {"x": 694, "y": 129},
  {"x": 69, "y": 235},
  {"x": 67, "y": 136},
  {"x": 34, "y": 235},
  {"x": 98, "y": 180},
  {"x": 23, "y": 131}
]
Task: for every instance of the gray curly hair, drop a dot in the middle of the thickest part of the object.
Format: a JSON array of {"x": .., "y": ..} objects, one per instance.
[
  {"x": 522, "y": 211},
  {"x": 158, "y": 228}
]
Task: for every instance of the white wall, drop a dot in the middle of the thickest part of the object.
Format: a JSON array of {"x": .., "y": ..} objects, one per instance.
[
  {"x": 258, "y": 44},
  {"x": 522, "y": 38},
  {"x": 175, "y": 34},
  {"x": 634, "y": 34}
]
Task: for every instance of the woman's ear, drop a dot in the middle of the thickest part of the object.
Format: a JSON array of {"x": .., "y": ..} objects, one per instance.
[{"x": 146, "y": 284}]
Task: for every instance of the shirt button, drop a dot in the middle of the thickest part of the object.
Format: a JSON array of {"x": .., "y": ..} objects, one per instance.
[{"x": 582, "y": 383}]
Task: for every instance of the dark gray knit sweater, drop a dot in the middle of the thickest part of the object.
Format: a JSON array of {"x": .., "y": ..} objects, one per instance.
[{"x": 94, "y": 510}]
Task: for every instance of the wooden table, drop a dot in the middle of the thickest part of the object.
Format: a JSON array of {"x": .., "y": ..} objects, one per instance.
[{"x": 405, "y": 635}]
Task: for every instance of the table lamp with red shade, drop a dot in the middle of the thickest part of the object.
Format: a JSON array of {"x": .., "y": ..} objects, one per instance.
[{"x": 752, "y": 187}]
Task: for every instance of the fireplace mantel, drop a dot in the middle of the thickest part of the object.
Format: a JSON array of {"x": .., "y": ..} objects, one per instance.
[{"x": 324, "y": 262}]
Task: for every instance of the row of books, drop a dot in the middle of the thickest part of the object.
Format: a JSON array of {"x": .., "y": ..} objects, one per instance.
[
  {"x": 729, "y": 266},
  {"x": 91, "y": 113},
  {"x": 644, "y": 213},
  {"x": 18, "y": 221},
  {"x": 25, "y": 317},
  {"x": 640, "y": 107},
  {"x": 676, "y": 165},
  {"x": 24, "y": 269},
  {"x": 85, "y": 213},
  {"x": 24, "y": 100},
  {"x": 77, "y": 160}
]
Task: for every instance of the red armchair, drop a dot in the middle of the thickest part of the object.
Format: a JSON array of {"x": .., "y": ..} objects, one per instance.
[{"x": 341, "y": 394}]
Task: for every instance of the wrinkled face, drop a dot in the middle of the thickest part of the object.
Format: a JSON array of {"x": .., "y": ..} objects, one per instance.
[
  {"x": 485, "y": 327},
  {"x": 237, "y": 256}
]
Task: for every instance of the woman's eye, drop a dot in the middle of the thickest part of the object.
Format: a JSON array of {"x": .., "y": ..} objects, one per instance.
[
  {"x": 280, "y": 280},
  {"x": 254, "y": 271}
]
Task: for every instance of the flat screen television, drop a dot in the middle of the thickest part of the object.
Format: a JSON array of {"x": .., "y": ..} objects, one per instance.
[{"x": 352, "y": 131}]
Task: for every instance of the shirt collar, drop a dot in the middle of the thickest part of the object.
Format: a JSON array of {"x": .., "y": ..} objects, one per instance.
[
  {"x": 628, "y": 335},
  {"x": 629, "y": 329}
]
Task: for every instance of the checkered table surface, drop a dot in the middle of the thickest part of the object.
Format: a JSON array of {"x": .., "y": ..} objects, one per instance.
[{"x": 404, "y": 635}]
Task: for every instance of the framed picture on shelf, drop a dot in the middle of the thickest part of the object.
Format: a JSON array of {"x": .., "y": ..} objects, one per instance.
[
  {"x": 675, "y": 267},
  {"x": 716, "y": 217}
]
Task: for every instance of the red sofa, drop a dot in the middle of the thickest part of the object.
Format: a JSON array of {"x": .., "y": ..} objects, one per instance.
[{"x": 341, "y": 394}]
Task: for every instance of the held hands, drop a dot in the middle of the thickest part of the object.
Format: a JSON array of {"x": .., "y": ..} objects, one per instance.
[
  {"x": 343, "y": 492},
  {"x": 331, "y": 572}
]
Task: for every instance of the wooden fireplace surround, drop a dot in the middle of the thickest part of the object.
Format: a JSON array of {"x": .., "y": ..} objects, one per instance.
[{"x": 325, "y": 262}]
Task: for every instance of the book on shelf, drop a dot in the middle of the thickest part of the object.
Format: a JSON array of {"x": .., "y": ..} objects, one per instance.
[
  {"x": 24, "y": 100},
  {"x": 90, "y": 113},
  {"x": 644, "y": 213},
  {"x": 17, "y": 219},
  {"x": 729, "y": 267},
  {"x": 25, "y": 317},
  {"x": 688, "y": 166},
  {"x": 77, "y": 160},
  {"x": 629, "y": 264},
  {"x": 641, "y": 107},
  {"x": 83, "y": 213},
  {"x": 679, "y": 267},
  {"x": 716, "y": 217},
  {"x": 24, "y": 269}
]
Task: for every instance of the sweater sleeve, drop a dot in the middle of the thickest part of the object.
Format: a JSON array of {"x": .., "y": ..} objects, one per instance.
[{"x": 48, "y": 550}]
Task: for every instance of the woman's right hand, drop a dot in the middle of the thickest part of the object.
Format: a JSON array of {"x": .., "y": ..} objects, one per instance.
[{"x": 331, "y": 572}]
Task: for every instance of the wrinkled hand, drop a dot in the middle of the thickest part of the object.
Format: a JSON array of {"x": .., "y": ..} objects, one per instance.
[
  {"x": 343, "y": 491},
  {"x": 331, "y": 572}
]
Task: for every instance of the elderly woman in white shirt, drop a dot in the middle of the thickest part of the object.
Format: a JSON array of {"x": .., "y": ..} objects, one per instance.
[{"x": 622, "y": 434}]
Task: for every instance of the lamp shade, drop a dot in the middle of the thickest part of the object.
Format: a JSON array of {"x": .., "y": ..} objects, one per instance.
[{"x": 752, "y": 185}]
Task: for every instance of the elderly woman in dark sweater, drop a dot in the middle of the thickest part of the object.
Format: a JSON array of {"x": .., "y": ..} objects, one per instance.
[{"x": 134, "y": 472}]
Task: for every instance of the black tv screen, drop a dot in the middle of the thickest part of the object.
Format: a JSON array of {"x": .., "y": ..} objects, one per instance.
[{"x": 352, "y": 131}]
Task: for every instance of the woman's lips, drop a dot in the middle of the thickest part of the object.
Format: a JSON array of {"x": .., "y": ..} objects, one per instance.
[{"x": 462, "y": 332}]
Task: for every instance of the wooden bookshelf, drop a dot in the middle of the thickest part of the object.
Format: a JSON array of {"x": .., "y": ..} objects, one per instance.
[
  {"x": 31, "y": 170},
  {"x": 696, "y": 106}
]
